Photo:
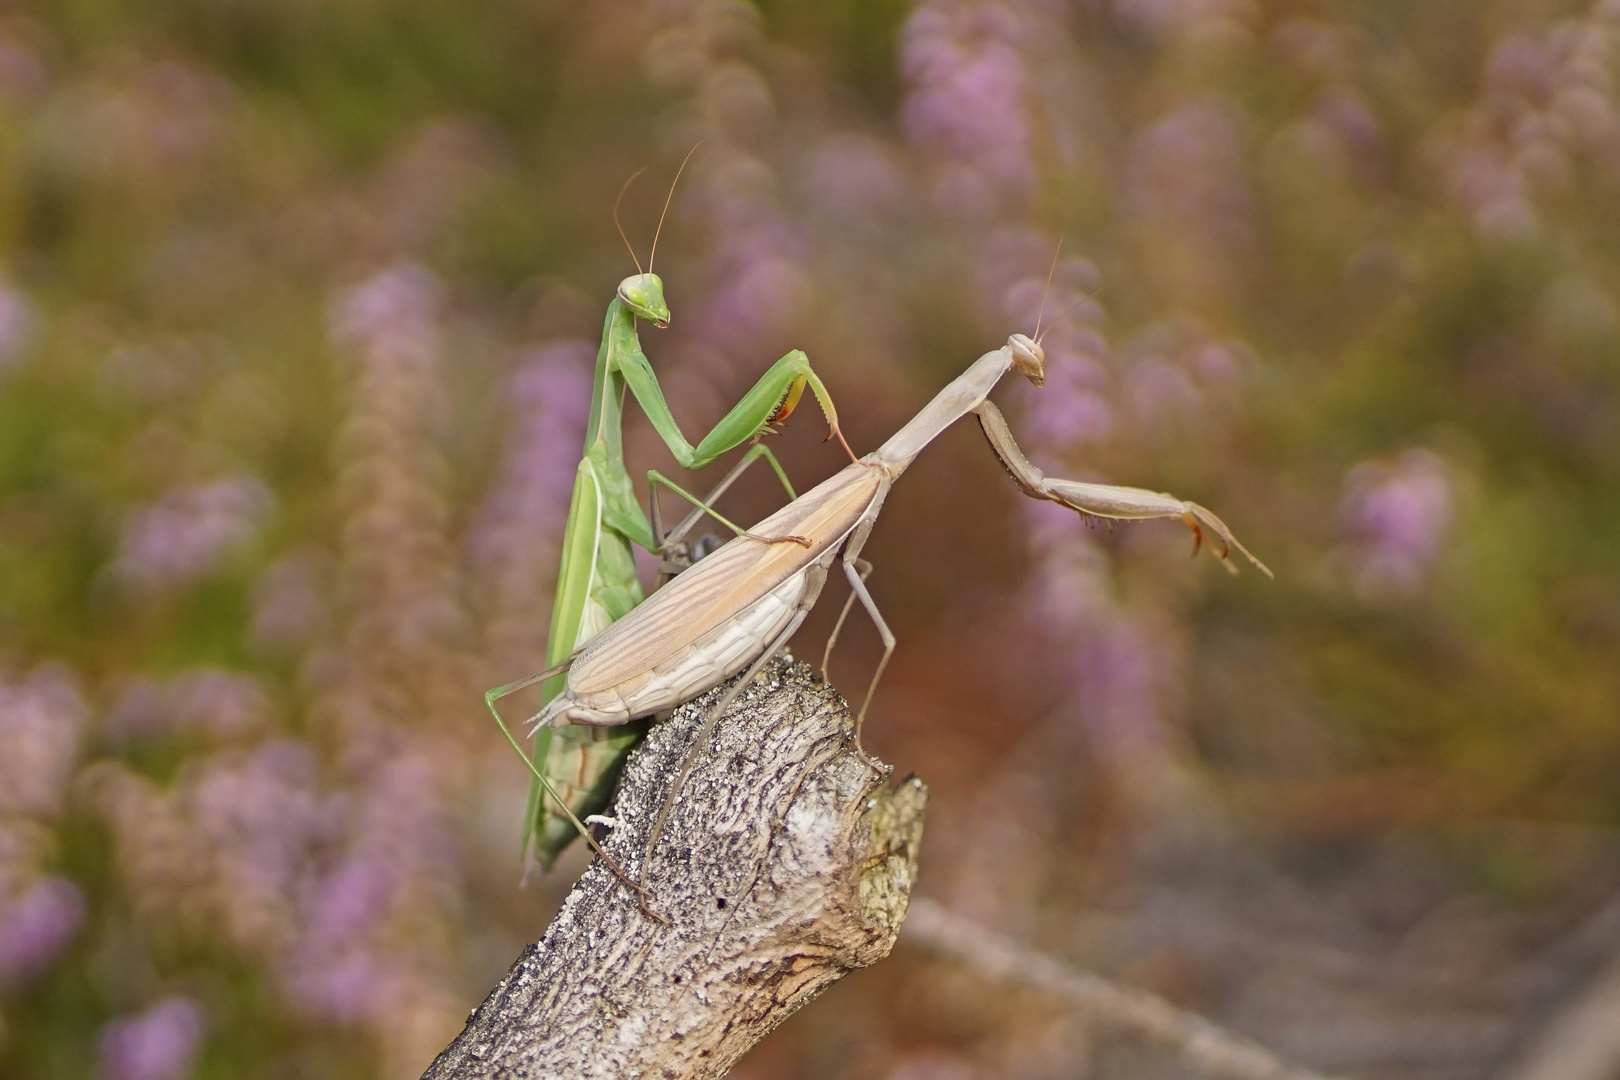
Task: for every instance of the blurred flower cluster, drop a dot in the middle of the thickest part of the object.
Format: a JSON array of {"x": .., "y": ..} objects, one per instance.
[
  {"x": 298, "y": 313},
  {"x": 41, "y": 724}
]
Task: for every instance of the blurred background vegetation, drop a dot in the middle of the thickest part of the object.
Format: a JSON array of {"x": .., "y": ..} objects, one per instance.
[{"x": 298, "y": 305}]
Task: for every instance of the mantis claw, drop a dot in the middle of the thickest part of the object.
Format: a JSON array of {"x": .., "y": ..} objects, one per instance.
[
  {"x": 834, "y": 432},
  {"x": 1197, "y": 535}
]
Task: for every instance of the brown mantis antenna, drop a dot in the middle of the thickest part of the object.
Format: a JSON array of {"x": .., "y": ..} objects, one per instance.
[
  {"x": 1047, "y": 288},
  {"x": 667, "y": 200},
  {"x": 1070, "y": 308},
  {"x": 620, "y": 227}
]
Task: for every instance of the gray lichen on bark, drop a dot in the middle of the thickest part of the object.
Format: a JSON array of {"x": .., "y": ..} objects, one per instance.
[{"x": 786, "y": 863}]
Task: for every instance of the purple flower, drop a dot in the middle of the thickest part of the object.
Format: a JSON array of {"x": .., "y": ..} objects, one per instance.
[
  {"x": 346, "y": 962},
  {"x": 1520, "y": 65},
  {"x": 335, "y": 971},
  {"x": 290, "y": 606},
  {"x": 1185, "y": 173},
  {"x": 757, "y": 285},
  {"x": 966, "y": 107},
  {"x": 763, "y": 296},
  {"x": 397, "y": 573},
  {"x": 850, "y": 177},
  {"x": 391, "y": 318},
  {"x": 1397, "y": 514},
  {"x": 346, "y": 988},
  {"x": 1344, "y": 118},
  {"x": 222, "y": 704},
  {"x": 1159, "y": 390},
  {"x": 41, "y": 720},
  {"x": 1497, "y": 194},
  {"x": 17, "y": 326},
  {"x": 263, "y": 819},
  {"x": 190, "y": 530},
  {"x": 36, "y": 926},
  {"x": 158, "y": 1044},
  {"x": 348, "y": 901},
  {"x": 1545, "y": 98},
  {"x": 1117, "y": 675},
  {"x": 219, "y": 704},
  {"x": 168, "y": 115},
  {"x": 23, "y": 76},
  {"x": 522, "y": 518},
  {"x": 1115, "y": 665},
  {"x": 1070, "y": 408},
  {"x": 1164, "y": 19}
]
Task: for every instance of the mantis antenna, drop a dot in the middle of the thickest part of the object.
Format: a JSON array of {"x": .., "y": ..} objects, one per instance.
[
  {"x": 1047, "y": 288},
  {"x": 620, "y": 227},
  {"x": 1065, "y": 314},
  {"x": 667, "y": 200}
]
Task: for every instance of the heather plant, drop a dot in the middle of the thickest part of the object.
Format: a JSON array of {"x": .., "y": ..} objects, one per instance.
[{"x": 297, "y": 313}]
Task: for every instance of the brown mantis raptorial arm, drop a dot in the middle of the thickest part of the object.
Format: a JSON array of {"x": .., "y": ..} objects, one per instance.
[{"x": 1106, "y": 500}]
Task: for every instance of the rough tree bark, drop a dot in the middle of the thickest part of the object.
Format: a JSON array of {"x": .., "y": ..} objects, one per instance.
[{"x": 787, "y": 863}]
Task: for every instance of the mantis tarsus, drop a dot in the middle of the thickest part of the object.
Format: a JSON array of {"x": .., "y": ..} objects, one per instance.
[
  {"x": 597, "y": 585},
  {"x": 738, "y": 607}
]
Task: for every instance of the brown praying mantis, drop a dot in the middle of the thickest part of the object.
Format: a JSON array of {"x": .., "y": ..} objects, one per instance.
[{"x": 736, "y": 608}]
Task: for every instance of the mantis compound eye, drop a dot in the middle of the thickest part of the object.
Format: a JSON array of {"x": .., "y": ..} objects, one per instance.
[{"x": 1028, "y": 357}]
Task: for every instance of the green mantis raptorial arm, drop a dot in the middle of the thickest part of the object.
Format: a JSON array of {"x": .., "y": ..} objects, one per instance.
[{"x": 575, "y": 768}]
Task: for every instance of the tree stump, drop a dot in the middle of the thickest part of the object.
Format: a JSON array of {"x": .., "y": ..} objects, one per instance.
[{"x": 787, "y": 862}]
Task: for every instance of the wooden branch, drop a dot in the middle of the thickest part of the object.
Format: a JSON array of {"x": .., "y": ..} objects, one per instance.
[
  {"x": 1582, "y": 1039},
  {"x": 1208, "y": 1047},
  {"x": 786, "y": 864}
]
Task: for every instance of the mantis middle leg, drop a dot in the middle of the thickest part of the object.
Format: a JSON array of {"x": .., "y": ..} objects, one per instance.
[{"x": 654, "y": 477}]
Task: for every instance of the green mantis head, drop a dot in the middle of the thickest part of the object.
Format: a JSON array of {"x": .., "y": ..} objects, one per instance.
[{"x": 644, "y": 294}]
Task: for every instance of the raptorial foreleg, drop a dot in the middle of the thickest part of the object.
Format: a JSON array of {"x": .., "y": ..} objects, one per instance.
[{"x": 1107, "y": 500}]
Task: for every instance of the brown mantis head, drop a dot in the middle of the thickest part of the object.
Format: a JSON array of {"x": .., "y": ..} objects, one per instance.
[{"x": 1028, "y": 357}]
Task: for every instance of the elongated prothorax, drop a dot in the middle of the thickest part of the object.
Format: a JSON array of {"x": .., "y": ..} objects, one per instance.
[{"x": 962, "y": 396}]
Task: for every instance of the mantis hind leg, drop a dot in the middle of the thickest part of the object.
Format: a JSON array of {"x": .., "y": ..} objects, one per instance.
[
  {"x": 865, "y": 569},
  {"x": 542, "y": 745},
  {"x": 539, "y": 782},
  {"x": 857, "y": 584}
]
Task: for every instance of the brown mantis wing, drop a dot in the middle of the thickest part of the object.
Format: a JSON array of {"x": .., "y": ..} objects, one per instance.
[{"x": 716, "y": 589}]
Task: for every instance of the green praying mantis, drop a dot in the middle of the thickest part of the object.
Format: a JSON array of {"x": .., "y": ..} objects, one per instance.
[{"x": 573, "y": 769}]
